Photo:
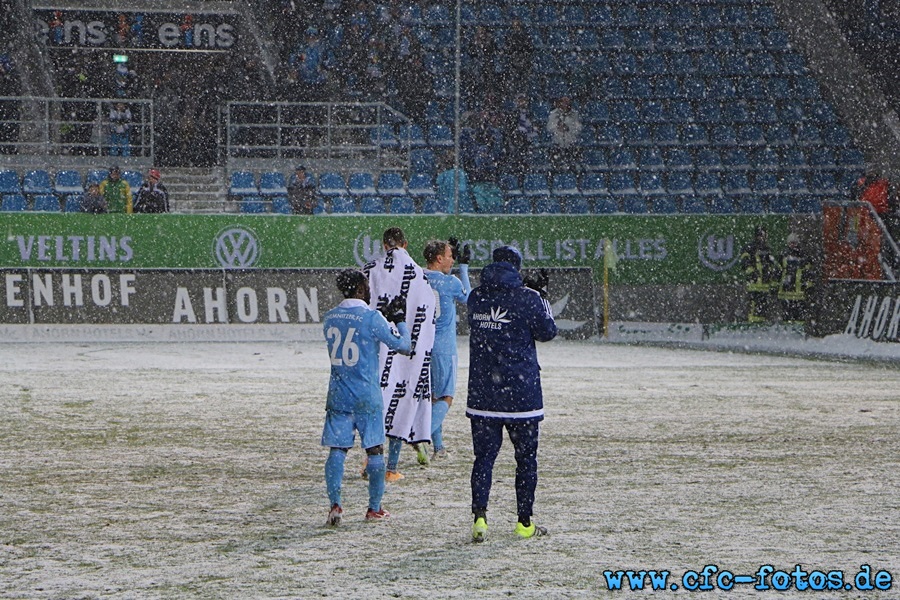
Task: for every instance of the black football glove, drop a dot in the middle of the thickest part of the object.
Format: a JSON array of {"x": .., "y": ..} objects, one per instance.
[
  {"x": 395, "y": 310},
  {"x": 538, "y": 281},
  {"x": 465, "y": 254},
  {"x": 454, "y": 247}
]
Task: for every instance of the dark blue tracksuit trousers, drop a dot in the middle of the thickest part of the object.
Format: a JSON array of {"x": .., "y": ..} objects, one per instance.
[{"x": 487, "y": 437}]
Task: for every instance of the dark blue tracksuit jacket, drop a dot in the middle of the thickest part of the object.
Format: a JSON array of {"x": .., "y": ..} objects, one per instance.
[{"x": 505, "y": 319}]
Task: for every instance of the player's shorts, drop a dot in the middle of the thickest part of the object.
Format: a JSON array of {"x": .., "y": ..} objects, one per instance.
[
  {"x": 443, "y": 375},
  {"x": 339, "y": 427}
]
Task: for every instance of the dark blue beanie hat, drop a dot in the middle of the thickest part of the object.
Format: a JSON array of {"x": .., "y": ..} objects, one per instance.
[{"x": 508, "y": 254}]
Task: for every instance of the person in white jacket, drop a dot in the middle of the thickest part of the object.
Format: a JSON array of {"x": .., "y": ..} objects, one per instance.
[{"x": 564, "y": 126}]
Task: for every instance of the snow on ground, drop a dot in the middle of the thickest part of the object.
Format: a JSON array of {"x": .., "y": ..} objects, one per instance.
[{"x": 193, "y": 470}]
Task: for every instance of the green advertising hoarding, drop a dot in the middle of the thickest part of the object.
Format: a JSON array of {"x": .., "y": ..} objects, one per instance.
[{"x": 650, "y": 249}]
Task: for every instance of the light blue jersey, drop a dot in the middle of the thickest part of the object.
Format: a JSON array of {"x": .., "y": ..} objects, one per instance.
[
  {"x": 353, "y": 332},
  {"x": 449, "y": 290}
]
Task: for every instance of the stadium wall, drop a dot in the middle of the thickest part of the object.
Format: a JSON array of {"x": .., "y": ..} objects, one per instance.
[{"x": 668, "y": 268}]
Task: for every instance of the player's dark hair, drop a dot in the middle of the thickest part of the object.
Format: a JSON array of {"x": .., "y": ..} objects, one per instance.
[
  {"x": 434, "y": 249},
  {"x": 349, "y": 280},
  {"x": 393, "y": 237}
]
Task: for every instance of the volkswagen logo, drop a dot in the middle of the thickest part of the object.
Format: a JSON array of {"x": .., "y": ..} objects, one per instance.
[
  {"x": 237, "y": 248},
  {"x": 717, "y": 253}
]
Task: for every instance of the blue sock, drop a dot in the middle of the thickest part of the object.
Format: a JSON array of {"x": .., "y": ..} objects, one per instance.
[
  {"x": 438, "y": 412},
  {"x": 394, "y": 447},
  {"x": 334, "y": 474},
  {"x": 375, "y": 470}
]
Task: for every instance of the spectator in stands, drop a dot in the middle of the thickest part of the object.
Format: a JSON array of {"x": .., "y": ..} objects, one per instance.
[
  {"x": 152, "y": 197},
  {"x": 302, "y": 191},
  {"x": 483, "y": 58},
  {"x": 93, "y": 201},
  {"x": 796, "y": 281},
  {"x": 376, "y": 69},
  {"x": 120, "y": 130},
  {"x": 519, "y": 51},
  {"x": 124, "y": 80},
  {"x": 874, "y": 189},
  {"x": 761, "y": 275},
  {"x": 116, "y": 192},
  {"x": 521, "y": 134},
  {"x": 481, "y": 149},
  {"x": 415, "y": 88},
  {"x": 309, "y": 64},
  {"x": 564, "y": 127}
]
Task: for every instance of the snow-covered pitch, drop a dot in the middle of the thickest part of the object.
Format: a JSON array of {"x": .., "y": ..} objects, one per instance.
[{"x": 194, "y": 470}]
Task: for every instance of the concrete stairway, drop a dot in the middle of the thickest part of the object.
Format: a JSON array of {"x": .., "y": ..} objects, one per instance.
[{"x": 196, "y": 190}]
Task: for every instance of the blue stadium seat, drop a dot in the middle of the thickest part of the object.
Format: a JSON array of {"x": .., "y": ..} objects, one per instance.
[
  {"x": 794, "y": 158},
  {"x": 823, "y": 183},
  {"x": 605, "y": 204},
  {"x": 391, "y": 184},
  {"x": 622, "y": 183},
  {"x": 679, "y": 159},
  {"x": 73, "y": 203},
  {"x": 361, "y": 184},
  {"x": 694, "y": 205},
  {"x": 721, "y": 205},
  {"x": 663, "y": 205},
  {"x": 46, "y": 203},
  {"x": 134, "y": 178},
  {"x": 707, "y": 183},
  {"x": 68, "y": 182},
  {"x": 431, "y": 205},
  {"x": 242, "y": 183},
  {"x": 281, "y": 205},
  {"x": 852, "y": 158},
  {"x": 593, "y": 184},
  {"x": 781, "y": 204},
  {"x": 439, "y": 135},
  {"x": 420, "y": 185},
  {"x": 402, "y": 205},
  {"x": 736, "y": 183},
  {"x": 37, "y": 182},
  {"x": 565, "y": 184},
  {"x": 750, "y": 135},
  {"x": 596, "y": 111},
  {"x": 808, "y": 133},
  {"x": 343, "y": 205},
  {"x": 694, "y": 135},
  {"x": 95, "y": 176},
  {"x": 651, "y": 184},
  {"x": 272, "y": 184},
  {"x": 765, "y": 182},
  {"x": 547, "y": 205},
  {"x": 750, "y": 39},
  {"x": 735, "y": 159},
  {"x": 535, "y": 184},
  {"x": 332, "y": 184},
  {"x": 751, "y": 205},
  {"x": 793, "y": 182},
  {"x": 13, "y": 203},
  {"x": 384, "y": 137},
  {"x": 518, "y": 205},
  {"x": 808, "y": 204},
  {"x": 653, "y": 111},
  {"x": 723, "y": 135},
  {"x": 253, "y": 205},
  {"x": 708, "y": 159},
  {"x": 9, "y": 182},
  {"x": 595, "y": 159},
  {"x": 622, "y": 159},
  {"x": 577, "y": 205},
  {"x": 836, "y": 135},
  {"x": 609, "y": 135},
  {"x": 638, "y": 134},
  {"x": 510, "y": 185},
  {"x": 679, "y": 183},
  {"x": 635, "y": 205},
  {"x": 422, "y": 160},
  {"x": 372, "y": 205},
  {"x": 412, "y": 135},
  {"x": 651, "y": 159}
]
